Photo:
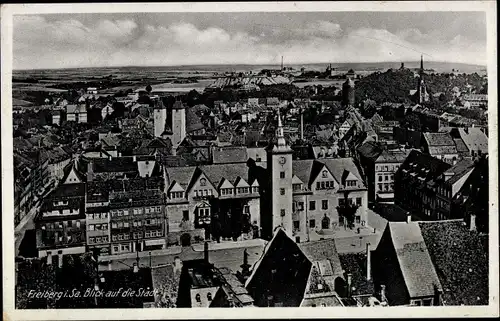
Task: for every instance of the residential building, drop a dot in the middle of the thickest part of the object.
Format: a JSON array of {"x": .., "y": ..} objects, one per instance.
[
  {"x": 107, "y": 110},
  {"x": 415, "y": 184},
  {"x": 441, "y": 146},
  {"x": 60, "y": 224},
  {"x": 76, "y": 113},
  {"x": 170, "y": 122},
  {"x": 475, "y": 100},
  {"x": 379, "y": 165},
  {"x": 98, "y": 223},
  {"x": 137, "y": 216},
  {"x": 474, "y": 139}
]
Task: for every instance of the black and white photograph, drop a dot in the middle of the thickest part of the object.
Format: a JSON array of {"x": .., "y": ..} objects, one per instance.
[{"x": 249, "y": 155}]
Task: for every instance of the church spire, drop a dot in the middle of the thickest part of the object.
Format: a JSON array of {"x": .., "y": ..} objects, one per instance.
[
  {"x": 279, "y": 132},
  {"x": 421, "y": 64}
]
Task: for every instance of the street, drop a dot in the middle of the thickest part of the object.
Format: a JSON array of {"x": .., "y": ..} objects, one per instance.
[{"x": 231, "y": 258}]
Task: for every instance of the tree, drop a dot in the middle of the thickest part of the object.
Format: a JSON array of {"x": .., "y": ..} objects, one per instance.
[
  {"x": 411, "y": 121},
  {"x": 348, "y": 211}
]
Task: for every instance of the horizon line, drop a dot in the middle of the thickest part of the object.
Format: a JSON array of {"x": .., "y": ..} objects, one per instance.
[{"x": 248, "y": 64}]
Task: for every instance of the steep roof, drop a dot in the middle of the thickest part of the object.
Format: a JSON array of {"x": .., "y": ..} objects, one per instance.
[
  {"x": 474, "y": 139},
  {"x": 304, "y": 168},
  {"x": 230, "y": 154},
  {"x": 439, "y": 139},
  {"x": 460, "y": 258},
  {"x": 460, "y": 169},
  {"x": 414, "y": 260}
]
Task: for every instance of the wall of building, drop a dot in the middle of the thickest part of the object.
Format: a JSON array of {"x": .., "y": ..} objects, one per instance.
[{"x": 203, "y": 292}]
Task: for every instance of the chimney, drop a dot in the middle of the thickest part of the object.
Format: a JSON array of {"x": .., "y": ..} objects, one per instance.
[
  {"x": 60, "y": 257},
  {"x": 205, "y": 251},
  {"x": 368, "y": 263},
  {"x": 90, "y": 171},
  {"x": 437, "y": 295},
  {"x": 408, "y": 217},
  {"x": 177, "y": 265},
  {"x": 49, "y": 258},
  {"x": 472, "y": 223},
  {"x": 349, "y": 284},
  {"x": 382, "y": 293}
]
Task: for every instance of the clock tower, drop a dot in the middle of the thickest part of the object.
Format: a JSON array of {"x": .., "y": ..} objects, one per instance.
[{"x": 277, "y": 209}]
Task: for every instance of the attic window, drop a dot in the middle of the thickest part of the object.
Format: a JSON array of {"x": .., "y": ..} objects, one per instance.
[
  {"x": 203, "y": 182},
  {"x": 324, "y": 174}
]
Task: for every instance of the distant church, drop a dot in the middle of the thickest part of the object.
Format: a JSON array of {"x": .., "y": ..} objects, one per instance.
[
  {"x": 170, "y": 123},
  {"x": 420, "y": 95}
]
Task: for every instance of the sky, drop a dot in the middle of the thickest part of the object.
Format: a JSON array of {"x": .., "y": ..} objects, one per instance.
[{"x": 169, "y": 39}]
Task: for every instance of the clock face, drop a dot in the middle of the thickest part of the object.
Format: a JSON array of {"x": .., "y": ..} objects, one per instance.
[{"x": 282, "y": 160}]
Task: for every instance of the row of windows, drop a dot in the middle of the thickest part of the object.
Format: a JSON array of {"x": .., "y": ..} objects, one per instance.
[
  {"x": 97, "y": 216},
  {"x": 385, "y": 177},
  {"x": 385, "y": 187},
  {"x": 149, "y": 221},
  {"x": 351, "y": 183},
  {"x": 120, "y": 237},
  {"x": 135, "y": 211},
  {"x": 325, "y": 222},
  {"x": 325, "y": 185},
  {"x": 324, "y": 204},
  {"x": 121, "y": 248},
  {"x": 98, "y": 227},
  {"x": 60, "y": 225},
  {"x": 386, "y": 168},
  {"x": 98, "y": 239}
]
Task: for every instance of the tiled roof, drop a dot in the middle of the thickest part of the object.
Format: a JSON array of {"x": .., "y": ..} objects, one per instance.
[
  {"x": 414, "y": 260},
  {"x": 460, "y": 258},
  {"x": 424, "y": 162},
  {"x": 461, "y": 147},
  {"x": 355, "y": 264},
  {"x": 232, "y": 154},
  {"x": 304, "y": 168},
  {"x": 474, "y": 139},
  {"x": 392, "y": 156},
  {"x": 166, "y": 284},
  {"x": 439, "y": 139},
  {"x": 461, "y": 168},
  {"x": 115, "y": 164},
  {"x": 323, "y": 250}
]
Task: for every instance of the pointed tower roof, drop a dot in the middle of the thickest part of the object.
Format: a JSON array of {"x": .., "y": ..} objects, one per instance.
[{"x": 279, "y": 143}]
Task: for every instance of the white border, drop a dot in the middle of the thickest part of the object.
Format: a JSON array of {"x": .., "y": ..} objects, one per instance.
[{"x": 7, "y": 161}]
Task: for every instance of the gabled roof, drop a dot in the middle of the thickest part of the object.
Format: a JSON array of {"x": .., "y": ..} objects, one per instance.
[
  {"x": 459, "y": 170},
  {"x": 415, "y": 263},
  {"x": 305, "y": 171},
  {"x": 438, "y": 139},
  {"x": 474, "y": 139}
]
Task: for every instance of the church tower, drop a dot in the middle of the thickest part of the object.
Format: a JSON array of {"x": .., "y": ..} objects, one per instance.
[
  {"x": 277, "y": 209},
  {"x": 160, "y": 118},
  {"x": 178, "y": 124},
  {"x": 423, "y": 96}
]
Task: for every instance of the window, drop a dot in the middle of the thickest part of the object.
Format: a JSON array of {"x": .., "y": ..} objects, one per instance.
[
  {"x": 282, "y": 191},
  {"x": 379, "y": 187},
  {"x": 427, "y": 302},
  {"x": 70, "y": 223},
  {"x": 246, "y": 209},
  {"x": 158, "y": 209},
  {"x": 312, "y": 223},
  {"x": 358, "y": 219},
  {"x": 324, "y": 174},
  {"x": 351, "y": 183},
  {"x": 114, "y": 237},
  {"x": 125, "y": 224},
  {"x": 301, "y": 206},
  {"x": 116, "y": 248},
  {"x": 324, "y": 204},
  {"x": 312, "y": 205},
  {"x": 198, "y": 297},
  {"x": 203, "y": 182},
  {"x": 358, "y": 201},
  {"x": 296, "y": 225},
  {"x": 91, "y": 240},
  {"x": 185, "y": 215},
  {"x": 120, "y": 236},
  {"x": 282, "y": 174},
  {"x": 209, "y": 296},
  {"x": 380, "y": 178},
  {"x": 325, "y": 223},
  {"x": 91, "y": 227},
  {"x": 282, "y": 212},
  {"x": 341, "y": 202}
]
